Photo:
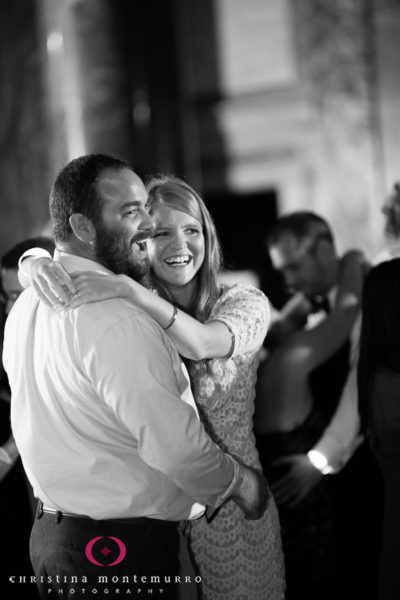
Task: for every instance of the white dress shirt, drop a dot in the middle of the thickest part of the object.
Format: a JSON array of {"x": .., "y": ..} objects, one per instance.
[{"x": 102, "y": 411}]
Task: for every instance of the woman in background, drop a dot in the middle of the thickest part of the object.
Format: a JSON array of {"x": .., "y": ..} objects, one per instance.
[
  {"x": 290, "y": 419},
  {"x": 379, "y": 397}
]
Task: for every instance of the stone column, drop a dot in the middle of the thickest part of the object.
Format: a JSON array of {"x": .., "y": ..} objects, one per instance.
[
  {"x": 337, "y": 49},
  {"x": 88, "y": 99}
]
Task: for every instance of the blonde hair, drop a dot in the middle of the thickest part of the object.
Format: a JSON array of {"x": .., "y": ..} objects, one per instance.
[{"x": 175, "y": 193}]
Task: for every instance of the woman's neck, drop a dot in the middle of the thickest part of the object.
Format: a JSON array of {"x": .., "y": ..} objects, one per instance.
[{"x": 183, "y": 295}]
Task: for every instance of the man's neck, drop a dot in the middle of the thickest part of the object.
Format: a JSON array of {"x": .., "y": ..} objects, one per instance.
[{"x": 77, "y": 248}]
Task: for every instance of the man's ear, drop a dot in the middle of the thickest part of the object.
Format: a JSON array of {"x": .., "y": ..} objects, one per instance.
[{"x": 82, "y": 227}]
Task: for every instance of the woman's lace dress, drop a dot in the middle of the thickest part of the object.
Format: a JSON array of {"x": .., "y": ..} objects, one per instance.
[{"x": 236, "y": 558}]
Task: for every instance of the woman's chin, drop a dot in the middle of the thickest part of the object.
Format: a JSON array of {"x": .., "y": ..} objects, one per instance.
[{"x": 177, "y": 278}]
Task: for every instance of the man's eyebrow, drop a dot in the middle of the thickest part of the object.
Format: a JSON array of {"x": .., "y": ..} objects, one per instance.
[{"x": 131, "y": 203}]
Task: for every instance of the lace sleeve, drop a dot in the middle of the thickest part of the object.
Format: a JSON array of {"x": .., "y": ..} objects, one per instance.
[{"x": 245, "y": 311}]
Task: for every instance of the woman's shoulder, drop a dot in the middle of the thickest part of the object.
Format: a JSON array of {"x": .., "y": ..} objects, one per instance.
[
  {"x": 242, "y": 297},
  {"x": 241, "y": 290}
]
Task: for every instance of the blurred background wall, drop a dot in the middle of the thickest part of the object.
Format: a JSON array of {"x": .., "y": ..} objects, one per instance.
[{"x": 265, "y": 106}]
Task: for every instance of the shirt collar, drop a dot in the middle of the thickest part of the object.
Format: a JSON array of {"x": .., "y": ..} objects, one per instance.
[{"x": 73, "y": 262}]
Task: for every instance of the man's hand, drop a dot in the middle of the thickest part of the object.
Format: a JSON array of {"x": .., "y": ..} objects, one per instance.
[
  {"x": 251, "y": 494},
  {"x": 301, "y": 477}
]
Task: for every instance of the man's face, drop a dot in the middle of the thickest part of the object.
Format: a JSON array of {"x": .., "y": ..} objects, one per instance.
[
  {"x": 11, "y": 287},
  {"x": 124, "y": 223},
  {"x": 300, "y": 264}
]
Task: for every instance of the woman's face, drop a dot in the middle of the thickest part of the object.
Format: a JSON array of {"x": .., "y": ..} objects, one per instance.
[{"x": 177, "y": 249}]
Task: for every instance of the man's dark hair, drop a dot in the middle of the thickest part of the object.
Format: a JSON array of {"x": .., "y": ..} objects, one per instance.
[
  {"x": 301, "y": 224},
  {"x": 10, "y": 259},
  {"x": 75, "y": 191}
]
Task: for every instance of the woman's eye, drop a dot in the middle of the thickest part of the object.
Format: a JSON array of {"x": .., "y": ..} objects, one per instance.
[
  {"x": 160, "y": 234},
  {"x": 191, "y": 230}
]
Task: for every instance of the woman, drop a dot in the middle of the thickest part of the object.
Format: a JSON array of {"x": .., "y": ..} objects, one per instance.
[
  {"x": 288, "y": 423},
  {"x": 219, "y": 330},
  {"x": 379, "y": 393}
]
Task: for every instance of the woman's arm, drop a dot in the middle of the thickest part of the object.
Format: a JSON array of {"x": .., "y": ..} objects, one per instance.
[
  {"x": 193, "y": 339},
  {"x": 312, "y": 347},
  {"x": 290, "y": 318},
  {"x": 52, "y": 283},
  {"x": 238, "y": 325}
]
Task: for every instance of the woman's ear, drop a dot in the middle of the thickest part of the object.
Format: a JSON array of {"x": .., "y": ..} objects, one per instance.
[{"x": 83, "y": 228}]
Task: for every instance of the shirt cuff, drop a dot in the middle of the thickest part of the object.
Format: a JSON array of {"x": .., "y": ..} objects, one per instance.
[
  {"x": 23, "y": 276},
  {"x": 237, "y": 474},
  {"x": 330, "y": 455}
]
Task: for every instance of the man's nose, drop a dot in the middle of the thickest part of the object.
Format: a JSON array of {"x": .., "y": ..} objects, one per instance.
[{"x": 147, "y": 223}]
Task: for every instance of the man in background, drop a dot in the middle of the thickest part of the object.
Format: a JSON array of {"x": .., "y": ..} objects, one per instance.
[
  {"x": 9, "y": 267},
  {"x": 302, "y": 248}
]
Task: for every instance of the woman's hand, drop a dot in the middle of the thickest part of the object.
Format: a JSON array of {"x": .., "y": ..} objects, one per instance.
[
  {"x": 50, "y": 280},
  {"x": 92, "y": 286}
]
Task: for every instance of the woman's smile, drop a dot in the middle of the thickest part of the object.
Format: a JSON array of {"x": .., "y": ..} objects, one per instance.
[{"x": 176, "y": 250}]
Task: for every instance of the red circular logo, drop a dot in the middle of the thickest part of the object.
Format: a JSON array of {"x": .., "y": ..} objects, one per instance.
[{"x": 105, "y": 551}]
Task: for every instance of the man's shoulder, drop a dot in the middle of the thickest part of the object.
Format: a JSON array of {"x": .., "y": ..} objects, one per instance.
[
  {"x": 117, "y": 325},
  {"x": 113, "y": 314}
]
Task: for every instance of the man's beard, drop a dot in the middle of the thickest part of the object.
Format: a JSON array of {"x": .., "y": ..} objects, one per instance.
[{"x": 115, "y": 251}]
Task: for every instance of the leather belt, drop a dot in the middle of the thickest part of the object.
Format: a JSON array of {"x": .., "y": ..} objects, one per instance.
[{"x": 147, "y": 521}]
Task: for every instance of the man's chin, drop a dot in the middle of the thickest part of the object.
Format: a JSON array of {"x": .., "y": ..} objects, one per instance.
[{"x": 138, "y": 268}]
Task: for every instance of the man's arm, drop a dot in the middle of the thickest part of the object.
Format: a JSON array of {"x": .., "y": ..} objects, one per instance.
[
  {"x": 341, "y": 437},
  {"x": 138, "y": 374},
  {"x": 333, "y": 449}
]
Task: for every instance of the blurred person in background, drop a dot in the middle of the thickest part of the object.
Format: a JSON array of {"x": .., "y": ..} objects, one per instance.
[
  {"x": 306, "y": 420},
  {"x": 391, "y": 212},
  {"x": 9, "y": 266},
  {"x": 219, "y": 330},
  {"x": 379, "y": 397},
  {"x": 15, "y": 492}
]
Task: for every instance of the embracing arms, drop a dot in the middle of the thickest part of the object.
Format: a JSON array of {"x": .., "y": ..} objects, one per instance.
[{"x": 193, "y": 339}]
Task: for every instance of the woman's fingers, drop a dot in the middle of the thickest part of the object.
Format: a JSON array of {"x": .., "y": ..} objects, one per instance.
[
  {"x": 54, "y": 290},
  {"x": 63, "y": 278},
  {"x": 78, "y": 300},
  {"x": 57, "y": 278},
  {"x": 46, "y": 295},
  {"x": 83, "y": 275}
]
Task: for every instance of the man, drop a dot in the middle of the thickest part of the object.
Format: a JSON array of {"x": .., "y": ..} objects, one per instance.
[
  {"x": 102, "y": 412},
  {"x": 302, "y": 248}
]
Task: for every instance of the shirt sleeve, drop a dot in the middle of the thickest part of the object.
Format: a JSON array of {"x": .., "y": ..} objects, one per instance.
[
  {"x": 246, "y": 312},
  {"x": 138, "y": 374},
  {"x": 23, "y": 277},
  {"x": 342, "y": 436}
]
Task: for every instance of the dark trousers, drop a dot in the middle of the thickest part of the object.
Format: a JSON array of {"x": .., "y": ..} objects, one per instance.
[
  {"x": 77, "y": 558},
  {"x": 358, "y": 499}
]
